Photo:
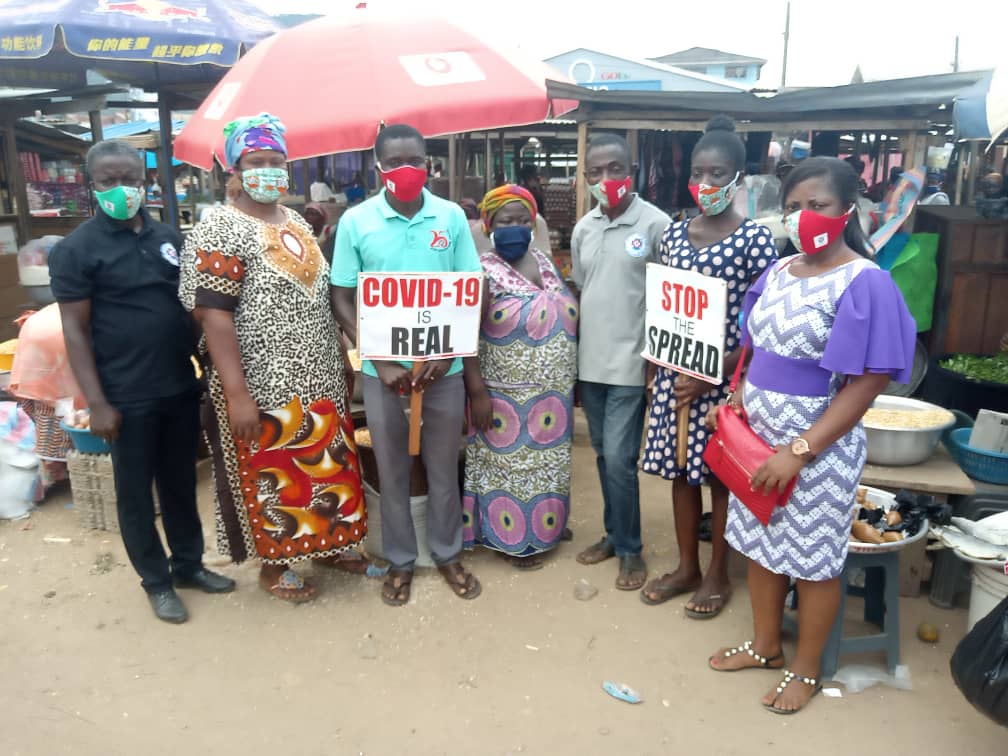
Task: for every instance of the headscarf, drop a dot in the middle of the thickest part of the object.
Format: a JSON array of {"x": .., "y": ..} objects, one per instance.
[
  {"x": 253, "y": 134},
  {"x": 495, "y": 199}
]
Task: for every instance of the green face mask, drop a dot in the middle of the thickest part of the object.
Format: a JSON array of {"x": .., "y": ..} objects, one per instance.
[{"x": 120, "y": 202}]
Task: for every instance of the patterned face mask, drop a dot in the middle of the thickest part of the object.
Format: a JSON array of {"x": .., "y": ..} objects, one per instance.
[
  {"x": 714, "y": 200},
  {"x": 120, "y": 202},
  {"x": 265, "y": 185}
]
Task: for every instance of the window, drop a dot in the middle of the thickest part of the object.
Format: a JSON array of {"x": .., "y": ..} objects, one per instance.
[{"x": 735, "y": 72}]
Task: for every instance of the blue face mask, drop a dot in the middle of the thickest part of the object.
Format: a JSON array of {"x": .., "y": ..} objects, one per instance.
[{"x": 511, "y": 242}]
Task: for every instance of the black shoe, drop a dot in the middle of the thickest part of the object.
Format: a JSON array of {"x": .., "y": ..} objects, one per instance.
[
  {"x": 168, "y": 607},
  {"x": 206, "y": 581}
]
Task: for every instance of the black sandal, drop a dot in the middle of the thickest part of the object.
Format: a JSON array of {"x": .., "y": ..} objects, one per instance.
[
  {"x": 763, "y": 662},
  {"x": 790, "y": 677}
]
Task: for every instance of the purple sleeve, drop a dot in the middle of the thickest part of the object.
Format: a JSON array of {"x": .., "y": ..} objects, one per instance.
[
  {"x": 752, "y": 294},
  {"x": 874, "y": 331}
]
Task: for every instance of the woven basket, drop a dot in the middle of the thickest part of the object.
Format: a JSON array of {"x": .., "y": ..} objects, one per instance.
[{"x": 93, "y": 487}]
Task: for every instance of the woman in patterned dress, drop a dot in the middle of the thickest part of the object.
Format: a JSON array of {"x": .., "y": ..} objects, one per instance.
[
  {"x": 521, "y": 393},
  {"x": 828, "y": 330},
  {"x": 723, "y": 244},
  {"x": 279, "y": 428}
]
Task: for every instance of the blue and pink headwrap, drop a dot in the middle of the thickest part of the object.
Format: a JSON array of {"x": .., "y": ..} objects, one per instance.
[{"x": 253, "y": 134}]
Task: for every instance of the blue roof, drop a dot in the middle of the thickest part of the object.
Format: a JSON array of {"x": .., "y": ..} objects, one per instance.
[{"x": 132, "y": 128}]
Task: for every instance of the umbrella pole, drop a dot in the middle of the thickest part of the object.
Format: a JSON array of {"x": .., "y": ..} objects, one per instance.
[
  {"x": 452, "y": 167},
  {"x": 415, "y": 414}
]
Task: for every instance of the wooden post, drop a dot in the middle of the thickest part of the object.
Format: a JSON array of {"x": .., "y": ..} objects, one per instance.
[
  {"x": 415, "y": 414},
  {"x": 462, "y": 166},
  {"x": 487, "y": 163},
  {"x": 974, "y": 169},
  {"x": 97, "y": 132},
  {"x": 16, "y": 178},
  {"x": 170, "y": 213},
  {"x": 503, "y": 147},
  {"x": 960, "y": 167},
  {"x": 581, "y": 203}
]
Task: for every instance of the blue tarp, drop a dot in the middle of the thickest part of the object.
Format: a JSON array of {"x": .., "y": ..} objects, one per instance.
[{"x": 132, "y": 128}]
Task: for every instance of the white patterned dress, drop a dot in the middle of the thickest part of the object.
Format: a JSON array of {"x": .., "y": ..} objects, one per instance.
[
  {"x": 807, "y": 335},
  {"x": 739, "y": 259}
]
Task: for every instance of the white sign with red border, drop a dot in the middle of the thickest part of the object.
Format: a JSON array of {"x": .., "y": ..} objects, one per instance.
[
  {"x": 413, "y": 317},
  {"x": 684, "y": 327}
]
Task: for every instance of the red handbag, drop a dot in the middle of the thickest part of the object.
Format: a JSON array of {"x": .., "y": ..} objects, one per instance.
[{"x": 734, "y": 453}]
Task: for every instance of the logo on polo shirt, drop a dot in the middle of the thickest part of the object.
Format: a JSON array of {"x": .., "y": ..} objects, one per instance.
[
  {"x": 637, "y": 245},
  {"x": 170, "y": 254},
  {"x": 440, "y": 240}
]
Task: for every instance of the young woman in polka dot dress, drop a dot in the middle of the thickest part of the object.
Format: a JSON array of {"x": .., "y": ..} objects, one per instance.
[{"x": 719, "y": 243}]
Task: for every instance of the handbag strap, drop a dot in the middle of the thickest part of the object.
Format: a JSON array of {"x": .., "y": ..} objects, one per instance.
[
  {"x": 745, "y": 347},
  {"x": 738, "y": 370}
]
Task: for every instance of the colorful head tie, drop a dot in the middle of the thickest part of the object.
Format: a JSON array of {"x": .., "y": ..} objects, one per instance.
[
  {"x": 253, "y": 134},
  {"x": 495, "y": 199}
]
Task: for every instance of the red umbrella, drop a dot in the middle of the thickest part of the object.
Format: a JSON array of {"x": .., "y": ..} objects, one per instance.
[{"x": 334, "y": 80}]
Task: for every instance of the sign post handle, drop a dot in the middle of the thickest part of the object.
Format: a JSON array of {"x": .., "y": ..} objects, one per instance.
[
  {"x": 415, "y": 415},
  {"x": 682, "y": 435}
]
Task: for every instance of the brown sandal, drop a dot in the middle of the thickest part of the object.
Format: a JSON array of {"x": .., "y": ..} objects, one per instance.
[
  {"x": 288, "y": 586},
  {"x": 660, "y": 590},
  {"x": 396, "y": 588},
  {"x": 350, "y": 562},
  {"x": 462, "y": 582},
  {"x": 597, "y": 552},
  {"x": 528, "y": 563}
]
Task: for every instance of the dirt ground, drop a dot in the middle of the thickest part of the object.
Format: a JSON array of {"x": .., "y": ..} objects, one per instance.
[{"x": 88, "y": 670}]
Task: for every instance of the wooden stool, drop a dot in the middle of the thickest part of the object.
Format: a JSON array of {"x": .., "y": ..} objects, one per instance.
[{"x": 881, "y": 607}]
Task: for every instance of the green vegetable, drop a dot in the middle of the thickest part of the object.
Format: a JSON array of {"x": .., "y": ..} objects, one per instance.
[{"x": 993, "y": 369}]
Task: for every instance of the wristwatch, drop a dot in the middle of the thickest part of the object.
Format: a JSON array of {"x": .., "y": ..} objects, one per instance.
[{"x": 800, "y": 448}]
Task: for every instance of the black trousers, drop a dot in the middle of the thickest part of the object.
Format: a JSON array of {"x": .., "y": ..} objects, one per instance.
[{"x": 157, "y": 446}]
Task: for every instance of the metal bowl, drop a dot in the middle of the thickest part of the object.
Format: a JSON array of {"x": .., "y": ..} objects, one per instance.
[{"x": 897, "y": 447}]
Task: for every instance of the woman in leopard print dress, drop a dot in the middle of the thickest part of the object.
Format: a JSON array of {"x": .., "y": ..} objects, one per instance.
[{"x": 279, "y": 427}]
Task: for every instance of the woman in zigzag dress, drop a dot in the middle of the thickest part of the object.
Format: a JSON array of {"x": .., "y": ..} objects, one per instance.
[{"x": 828, "y": 329}]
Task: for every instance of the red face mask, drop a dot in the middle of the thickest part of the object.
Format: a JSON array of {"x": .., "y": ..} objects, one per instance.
[
  {"x": 610, "y": 192},
  {"x": 812, "y": 232},
  {"x": 405, "y": 182}
]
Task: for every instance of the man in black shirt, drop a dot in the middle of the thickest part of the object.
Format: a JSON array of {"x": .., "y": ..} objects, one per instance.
[{"x": 129, "y": 342}]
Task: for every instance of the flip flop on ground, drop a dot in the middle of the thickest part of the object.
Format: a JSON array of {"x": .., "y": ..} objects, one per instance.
[
  {"x": 632, "y": 573},
  {"x": 395, "y": 590},
  {"x": 287, "y": 586},
  {"x": 668, "y": 586},
  {"x": 597, "y": 552},
  {"x": 462, "y": 582},
  {"x": 716, "y": 602},
  {"x": 528, "y": 563},
  {"x": 351, "y": 562}
]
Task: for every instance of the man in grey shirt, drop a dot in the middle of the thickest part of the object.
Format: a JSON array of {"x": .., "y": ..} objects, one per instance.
[{"x": 610, "y": 248}]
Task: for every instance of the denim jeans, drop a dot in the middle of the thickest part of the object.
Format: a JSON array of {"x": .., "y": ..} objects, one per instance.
[{"x": 616, "y": 423}]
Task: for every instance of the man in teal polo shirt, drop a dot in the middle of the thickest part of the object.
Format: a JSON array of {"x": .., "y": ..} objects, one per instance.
[{"x": 406, "y": 229}]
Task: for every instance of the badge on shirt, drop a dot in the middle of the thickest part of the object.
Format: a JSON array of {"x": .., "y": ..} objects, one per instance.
[
  {"x": 637, "y": 245},
  {"x": 440, "y": 240},
  {"x": 170, "y": 254}
]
